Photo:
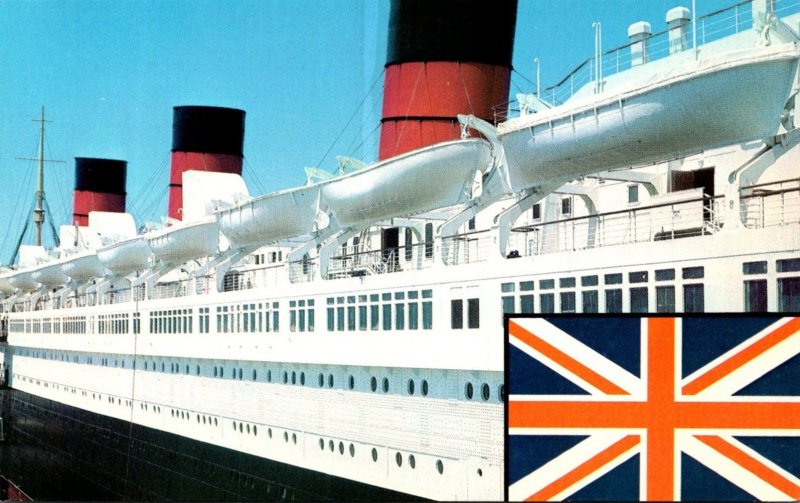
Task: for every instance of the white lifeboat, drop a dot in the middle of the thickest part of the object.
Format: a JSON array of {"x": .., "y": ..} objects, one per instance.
[
  {"x": 125, "y": 256},
  {"x": 270, "y": 218},
  {"x": 50, "y": 275},
  {"x": 23, "y": 280},
  {"x": 83, "y": 267},
  {"x": 5, "y": 285},
  {"x": 698, "y": 105},
  {"x": 431, "y": 177},
  {"x": 184, "y": 241}
]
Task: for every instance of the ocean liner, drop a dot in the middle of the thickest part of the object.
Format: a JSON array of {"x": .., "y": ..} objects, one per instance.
[{"x": 343, "y": 338}]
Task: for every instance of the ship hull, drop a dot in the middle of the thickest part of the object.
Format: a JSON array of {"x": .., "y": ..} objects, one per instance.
[{"x": 55, "y": 451}]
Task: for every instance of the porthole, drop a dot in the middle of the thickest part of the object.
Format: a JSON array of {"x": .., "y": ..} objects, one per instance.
[
  {"x": 321, "y": 380},
  {"x": 197, "y": 370},
  {"x": 385, "y": 384},
  {"x": 241, "y": 430},
  {"x": 374, "y": 454},
  {"x": 285, "y": 436},
  {"x": 480, "y": 472},
  {"x": 294, "y": 377},
  {"x": 411, "y": 386},
  {"x": 352, "y": 450},
  {"x": 255, "y": 430},
  {"x": 187, "y": 368},
  {"x": 254, "y": 374},
  {"x": 439, "y": 466},
  {"x": 269, "y": 432},
  {"x": 373, "y": 383},
  {"x": 269, "y": 376},
  {"x": 485, "y": 392},
  {"x": 285, "y": 377},
  {"x": 501, "y": 392},
  {"x": 294, "y": 438},
  {"x": 215, "y": 422},
  {"x": 234, "y": 426},
  {"x": 240, "y": 374},
  {"x": 302, "y": 378},
  {"x": 424, "y": 387},
  {"x": 412, "y": 461},
  {"x": 468, "y": 391},
  {"x": 248, "y": 429},
  {"x": 351, "y": 382},
  {"x": 330, "y": 445},
  {"x": 215, "y": 371},
  {"x": 330, "y": 380},
  {"x": 321, "y": 444},
  {"x": 204, "y": 419},
  {"x": 341, "y": 447},
  {"x": 198, "y": 419},
  {"x": 398, "y": 459}
]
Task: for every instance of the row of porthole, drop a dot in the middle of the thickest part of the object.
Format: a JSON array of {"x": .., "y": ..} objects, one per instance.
[
  {"x": 486, "y": 393},
  {"x": 243, "y": 427},
  {"x": 412, "y": 461}
]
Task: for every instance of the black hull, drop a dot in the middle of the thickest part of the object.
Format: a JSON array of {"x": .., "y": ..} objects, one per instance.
[{"x": 58, "y": 452}]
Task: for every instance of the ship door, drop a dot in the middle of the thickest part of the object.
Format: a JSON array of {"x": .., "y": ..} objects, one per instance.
[
  {"x": 390, "y": 247},
  {"x": 683, "y": 180}
]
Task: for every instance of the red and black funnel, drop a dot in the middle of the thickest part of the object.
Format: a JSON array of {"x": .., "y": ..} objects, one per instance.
[
  {"x": 445, "y": 57},
  {"x": 203, "y": 139},
  {"x": 99, "y": 186}
]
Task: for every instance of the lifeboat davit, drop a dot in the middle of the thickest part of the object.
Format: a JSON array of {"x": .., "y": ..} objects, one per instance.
[
  {"x": 125, "y": 256},
  {"x": 184, "y": 241},
  {"x": 699, "y": 105},
  {"x": 432, "y": 177}
]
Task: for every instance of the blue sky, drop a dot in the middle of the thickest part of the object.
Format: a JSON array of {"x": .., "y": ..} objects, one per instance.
[{"x": 109, "y": 72}]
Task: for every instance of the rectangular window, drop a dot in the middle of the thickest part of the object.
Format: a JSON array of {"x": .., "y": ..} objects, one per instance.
[
  {"x": 639, "y": 300},
  {"x": 633, "y": 194},
  {"x": 525, "y": 286},
  {"x": 331, "y": 319},
  {"x": 387, "y": 316},
  {"x": 293, "y": 320},
  {"x": 693, "y": 298},
  {"x": 547, "y": 303},
  {"x": 788, "y": 265},
  {"x": 427, "y": 315},
  {"x": 589, "y": 280},
  {"x": 508, "y": 304},
  {"x": 537, "y": 211},
  {"x": 311, "y": 319},
  {"x": 567, "y": 302},
  {"x": 693, "y": 272},
  {"x": 413, "y": 316},
  {"x": 473, "y": 313},
  {"x": 665, "y": 298},
  {"x": 507, "y": 287},
  {"x": 788, "y": 294},
  {"x": 566, "y": 206},
  {"x": 547, "y": 284},
  {"x": 755, "y": 295},
  {"x": 613, "y": 279},
  {"x": 759, "y": 267},
  {"x": 351, "y": 318},
  {"x": 428, "y": 240},
  {"x": 665, "y": 274},
  {"x": 590, "y": 301},
  {"x": 362, "y": 317},
  {"x": 340, "y": 319},
  {"x": 400, "y": 316},
  {"x": 566, "y": 282},
  {"x": 456, "y": 313},
  {"x": 614, "y": 300},
  {"x": 526, "y": 304},
  {"x": 275, "y": 319},
  {"x": 637, "y": 277},
  {"x": 374, "y": 317}
]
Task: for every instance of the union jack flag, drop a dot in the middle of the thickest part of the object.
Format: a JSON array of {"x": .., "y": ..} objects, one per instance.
[{"x": 659, "y": 408}]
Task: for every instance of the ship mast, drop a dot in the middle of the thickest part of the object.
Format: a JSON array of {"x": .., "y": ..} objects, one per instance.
[{"x": 38, "y": 213}]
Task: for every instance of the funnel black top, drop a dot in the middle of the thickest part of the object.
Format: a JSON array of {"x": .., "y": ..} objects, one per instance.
[
  {"x": 474, "y": 31},
  {"x": 212, "y": 130},
  {"x": 100, "y": 175}
]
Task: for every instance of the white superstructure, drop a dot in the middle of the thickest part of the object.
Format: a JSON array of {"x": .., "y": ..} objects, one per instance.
[{"x": 351, "y": 328}]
